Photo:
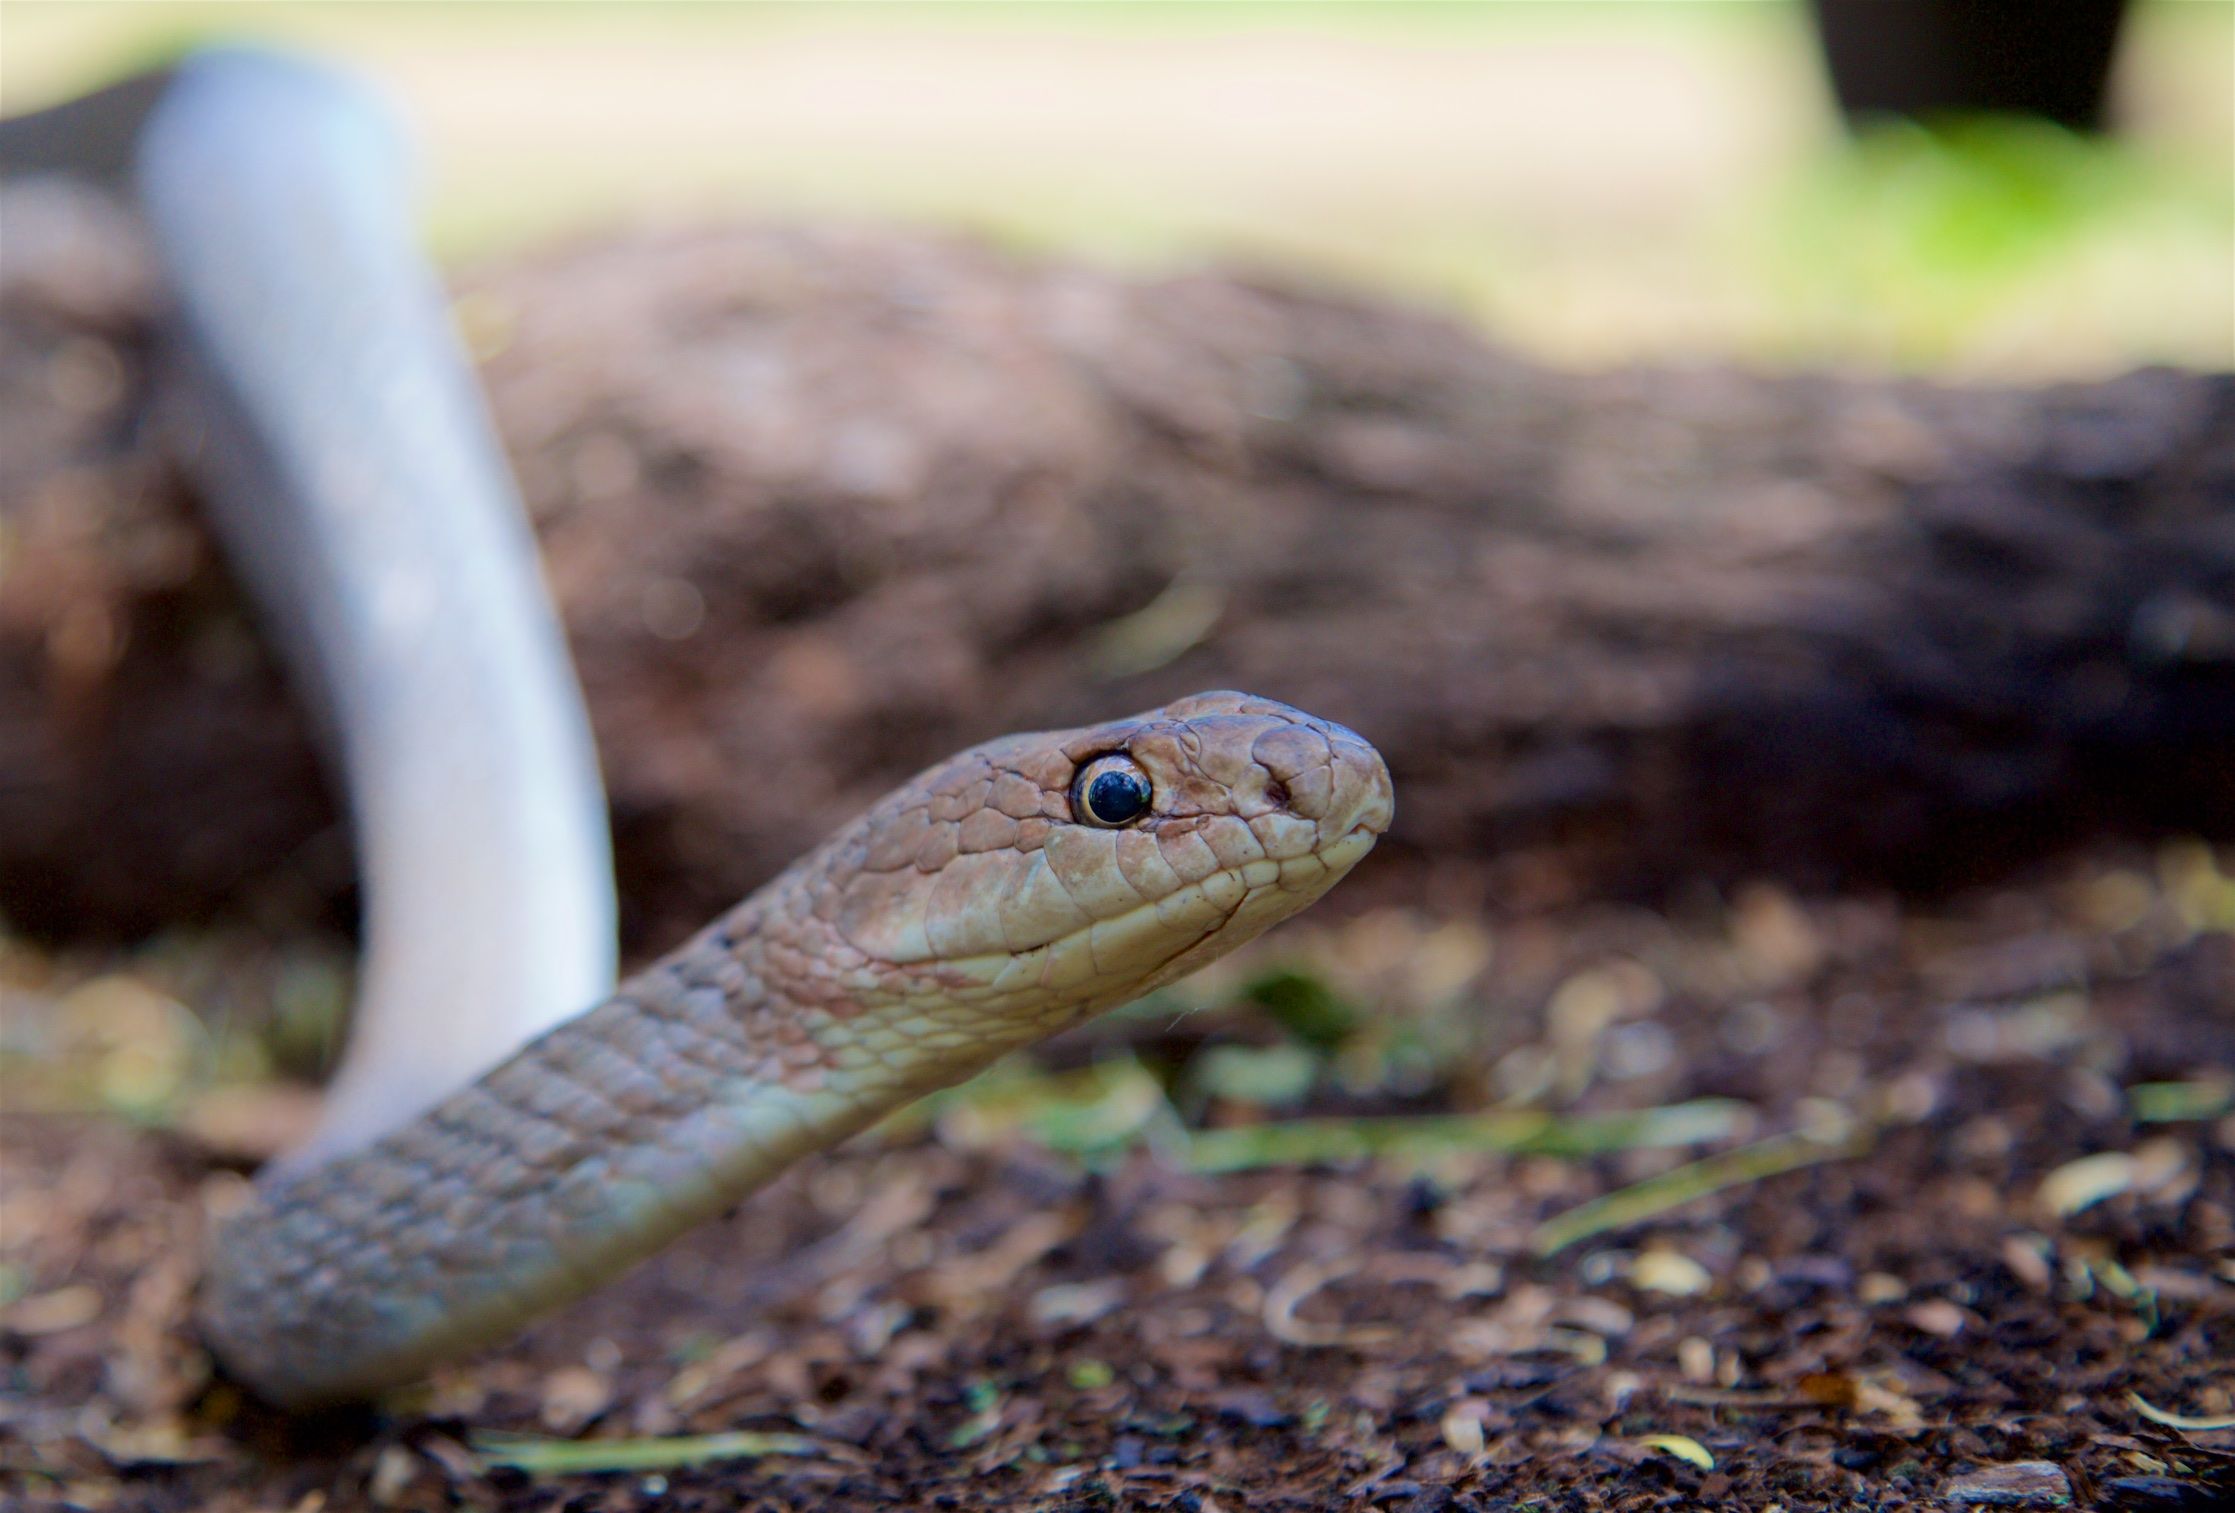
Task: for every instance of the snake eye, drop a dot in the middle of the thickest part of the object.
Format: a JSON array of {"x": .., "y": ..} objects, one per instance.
[{"x": 1110, "y": 791}]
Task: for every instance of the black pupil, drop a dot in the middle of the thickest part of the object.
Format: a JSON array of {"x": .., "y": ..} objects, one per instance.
[{"x": 1115, "y": 797}]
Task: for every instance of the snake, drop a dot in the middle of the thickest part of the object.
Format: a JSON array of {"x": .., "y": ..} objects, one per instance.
[{"x": 493, "y": 1148}]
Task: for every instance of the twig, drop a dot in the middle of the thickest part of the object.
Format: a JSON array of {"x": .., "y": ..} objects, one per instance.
[{"x": 2186, "y": 1423}]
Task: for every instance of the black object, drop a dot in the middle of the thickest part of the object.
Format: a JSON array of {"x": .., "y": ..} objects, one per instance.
[
  {"x": 1929, "y": 57},
  {"x": 1115, "y": 797}
]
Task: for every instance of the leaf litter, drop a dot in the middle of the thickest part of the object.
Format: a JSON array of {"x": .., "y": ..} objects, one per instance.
[{"x": 1859, "y": 1224}]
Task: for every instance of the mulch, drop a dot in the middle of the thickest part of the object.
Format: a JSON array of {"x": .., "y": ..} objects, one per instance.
[{"x": 2000, "y": 1277}]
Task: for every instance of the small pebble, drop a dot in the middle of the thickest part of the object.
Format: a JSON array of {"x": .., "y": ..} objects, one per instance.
[
  {"x": 392, "y": 1475},
  {"x": 1670, "y": 1271},
  {"x": 2020, "y": 1484}
]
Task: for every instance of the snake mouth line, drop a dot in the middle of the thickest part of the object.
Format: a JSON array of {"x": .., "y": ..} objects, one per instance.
[{"x": 1335, "y": 858}]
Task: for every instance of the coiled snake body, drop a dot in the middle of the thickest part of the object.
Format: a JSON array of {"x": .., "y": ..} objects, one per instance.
[{"x": 998, "y": 897}]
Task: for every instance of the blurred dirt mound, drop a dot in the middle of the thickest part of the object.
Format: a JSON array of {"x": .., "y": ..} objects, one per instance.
[{"x": 820, "y": 506}]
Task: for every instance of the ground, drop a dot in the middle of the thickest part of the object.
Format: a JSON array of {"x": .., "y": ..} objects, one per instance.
[
  {"x": 1929, "y": 1205},
  {"x": 1748, "y": 1199}
]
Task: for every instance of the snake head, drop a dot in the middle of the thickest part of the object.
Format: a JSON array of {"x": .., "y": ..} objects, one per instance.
[{"x": 1051, "y": 875}]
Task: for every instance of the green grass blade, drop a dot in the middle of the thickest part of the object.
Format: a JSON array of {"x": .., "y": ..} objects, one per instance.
[
  {"x": 528, "y": 1453},
  {"x": 1656, "y": 1196},
  {"x": 1300, "y": 1142}
]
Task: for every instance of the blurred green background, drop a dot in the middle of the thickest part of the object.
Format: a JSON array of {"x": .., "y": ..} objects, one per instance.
[{"x": 1598, "y": 183}]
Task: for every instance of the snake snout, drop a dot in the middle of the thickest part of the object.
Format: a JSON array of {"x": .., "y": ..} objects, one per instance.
[
  {"x": 1329, "y": 775},
  {"x": 1362, "y": 796}
]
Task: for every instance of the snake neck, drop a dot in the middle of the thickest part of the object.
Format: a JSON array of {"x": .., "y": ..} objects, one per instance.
[{"x": 700, "y": 1079}]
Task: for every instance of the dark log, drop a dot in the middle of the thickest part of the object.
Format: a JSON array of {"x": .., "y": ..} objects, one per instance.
[
  {"x": 1934, "y": 58},
  {"x": 820, "y": 506}
]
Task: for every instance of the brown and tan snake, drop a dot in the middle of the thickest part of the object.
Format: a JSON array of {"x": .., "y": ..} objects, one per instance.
[
  {"x": 1001, "y": 896},
  {"x": 978, "y": 908}
]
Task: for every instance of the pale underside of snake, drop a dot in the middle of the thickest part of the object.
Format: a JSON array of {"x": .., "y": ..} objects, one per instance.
[{"x": 465, "y": 1180}]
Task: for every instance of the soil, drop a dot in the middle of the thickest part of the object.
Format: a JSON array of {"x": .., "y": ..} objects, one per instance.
[{"x": 1986, "y": 1286}]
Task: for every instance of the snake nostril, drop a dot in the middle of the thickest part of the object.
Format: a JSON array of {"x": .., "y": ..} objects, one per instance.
[{"x": 1276, "y": 793}]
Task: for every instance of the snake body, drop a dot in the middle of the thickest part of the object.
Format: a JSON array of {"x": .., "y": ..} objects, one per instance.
[
  {"x": 968, "y": 913},
  {"x": 1000, "y": 896}
]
